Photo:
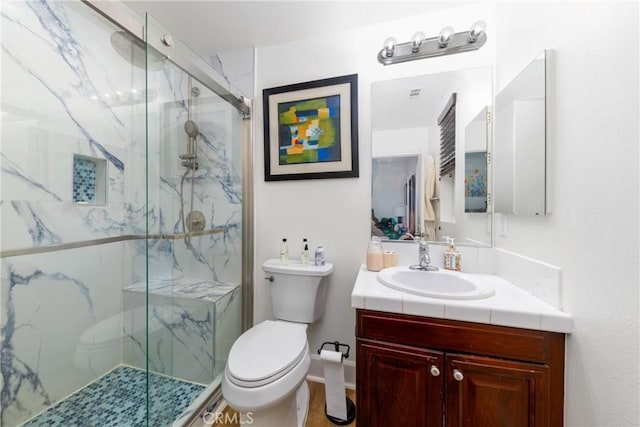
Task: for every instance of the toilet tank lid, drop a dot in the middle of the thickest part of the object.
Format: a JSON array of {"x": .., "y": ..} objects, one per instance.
[
  {"x": 295, "y": 267},
  {"x": 267, "y": 349}
]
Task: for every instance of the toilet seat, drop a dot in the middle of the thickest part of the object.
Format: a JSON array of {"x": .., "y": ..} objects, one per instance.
[{"x": 267, "y": 352}]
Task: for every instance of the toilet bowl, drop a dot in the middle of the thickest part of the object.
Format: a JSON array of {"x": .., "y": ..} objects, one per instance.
[
  {"x": 264, "y": 378},
  {"x": 99, "y": 348},
  {"x": 252, "y": 384}
]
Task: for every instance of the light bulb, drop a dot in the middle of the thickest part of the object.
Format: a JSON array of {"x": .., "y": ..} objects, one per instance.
[
  {"x": 445, "y": 36},
  {"x": 416, "y": 41},
  {"x": 389, "y": 45},
  {"x": 477, "y": 29}
]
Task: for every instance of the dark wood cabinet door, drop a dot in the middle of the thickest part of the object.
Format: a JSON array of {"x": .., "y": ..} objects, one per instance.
[
  {"x": 488, "y": 392},
  {"x": 399, "y": 385}
]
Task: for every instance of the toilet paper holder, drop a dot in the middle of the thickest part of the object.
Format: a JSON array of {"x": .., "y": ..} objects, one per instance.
[
  {"x": 335, "y": 415},
  {"x": 336, "y": 346}
]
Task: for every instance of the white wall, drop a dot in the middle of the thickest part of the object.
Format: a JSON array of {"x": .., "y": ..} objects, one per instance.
[
  {"x": 592, "y": 232},
  {"x": 335, "y": 213},
  {"x": 398, "y": 142}
]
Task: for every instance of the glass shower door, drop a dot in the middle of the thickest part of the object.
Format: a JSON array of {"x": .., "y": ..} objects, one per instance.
[
  {"x": 194, "y": 228},
  {"x": 69, "y": 122}
]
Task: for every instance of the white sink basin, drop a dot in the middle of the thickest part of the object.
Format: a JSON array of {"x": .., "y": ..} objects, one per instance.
[{"x": 443, "y": 284}]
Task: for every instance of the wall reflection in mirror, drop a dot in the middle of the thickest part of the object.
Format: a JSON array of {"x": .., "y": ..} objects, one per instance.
[
  {"x": 429, "y": 157},
  {"x": 520, "y": 145}
]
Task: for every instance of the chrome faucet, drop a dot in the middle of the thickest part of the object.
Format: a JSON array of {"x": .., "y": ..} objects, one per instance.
[{"x": 424, "y": 259}]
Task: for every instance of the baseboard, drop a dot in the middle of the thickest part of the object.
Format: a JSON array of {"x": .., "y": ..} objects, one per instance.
[{"x": 316, "y": 372}]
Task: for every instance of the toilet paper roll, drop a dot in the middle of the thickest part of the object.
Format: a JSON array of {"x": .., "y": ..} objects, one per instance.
[{"x": 334, "y": 383}]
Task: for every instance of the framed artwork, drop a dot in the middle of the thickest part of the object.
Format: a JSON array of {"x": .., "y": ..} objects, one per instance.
[
  {"x": 311, "y": 130},
  {"x": 475, "y": 181}
]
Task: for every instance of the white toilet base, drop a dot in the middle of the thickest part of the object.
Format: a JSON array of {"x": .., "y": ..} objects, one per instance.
[
  {"x": 290, "y": 412},
  {"x": 302, "y": 401}
]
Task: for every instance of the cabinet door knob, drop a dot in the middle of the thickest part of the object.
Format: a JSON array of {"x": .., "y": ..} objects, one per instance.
[
  {"x": 457, "y": 375},
  {"x": 435, "y": 371}
]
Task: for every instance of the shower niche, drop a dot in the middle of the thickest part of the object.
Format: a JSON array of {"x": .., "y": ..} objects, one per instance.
[{"x": 89, "y": 180}]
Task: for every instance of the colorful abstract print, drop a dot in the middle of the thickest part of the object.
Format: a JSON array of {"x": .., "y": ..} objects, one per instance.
[
  {"x": 309, "y": 131},
  {"x": 475, "y": 184}
]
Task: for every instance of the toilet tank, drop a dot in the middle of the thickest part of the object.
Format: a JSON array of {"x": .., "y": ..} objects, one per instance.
[{"x": 298, "y": 292}]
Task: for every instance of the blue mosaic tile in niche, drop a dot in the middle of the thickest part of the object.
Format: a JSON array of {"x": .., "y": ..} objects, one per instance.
[{"x": 84, "y": 180}]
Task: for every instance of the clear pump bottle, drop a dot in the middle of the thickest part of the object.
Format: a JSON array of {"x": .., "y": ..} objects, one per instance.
[
  {"x": 284, "y": 252},
  {"x": 304, "y": 254}
]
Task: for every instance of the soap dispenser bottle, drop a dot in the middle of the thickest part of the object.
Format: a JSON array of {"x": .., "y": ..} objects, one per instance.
[
  {"x": 451, "y": 256},
  {"x": 284, "y": 251},
  {"x": 304, "y": 255}
]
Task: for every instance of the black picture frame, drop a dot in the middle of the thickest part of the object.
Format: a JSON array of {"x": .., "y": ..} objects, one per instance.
[{"x": 334, "y": 151}]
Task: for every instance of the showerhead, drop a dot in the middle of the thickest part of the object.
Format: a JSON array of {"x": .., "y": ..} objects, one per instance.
[
  {"x": 191, "y": 128},
  {"x": 132, "y": 49},
  {"x": 189, "y": 159}
]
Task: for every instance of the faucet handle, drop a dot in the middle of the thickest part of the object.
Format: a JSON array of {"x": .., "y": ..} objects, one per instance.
[{"x": 423, "y": 246}]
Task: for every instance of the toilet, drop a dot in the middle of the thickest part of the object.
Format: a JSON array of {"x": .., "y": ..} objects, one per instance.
[
  {"x": 264, "y": 378},
  {"x": 99, "y": 348}
]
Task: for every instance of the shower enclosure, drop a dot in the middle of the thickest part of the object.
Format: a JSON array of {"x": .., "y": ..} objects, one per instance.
[{"x": 125, "y": 239}]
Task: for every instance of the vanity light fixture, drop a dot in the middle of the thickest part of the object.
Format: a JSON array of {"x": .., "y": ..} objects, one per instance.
[{"x": 446, "y": 43}]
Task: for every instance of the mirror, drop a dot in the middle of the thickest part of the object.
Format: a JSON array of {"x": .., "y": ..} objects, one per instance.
[
  {"x": 429, "y": 141},
  {"x": 475, "y": 163},
  {"x": 520, "y": 146}
]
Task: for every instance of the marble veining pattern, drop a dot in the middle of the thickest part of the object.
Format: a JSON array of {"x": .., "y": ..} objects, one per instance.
[
  {"x": 31, "y": 357},
  {"x": 186, "y": 287},
  {"x": 64, "y": 42},
  {"x": 38, "y": 230},
  {"x": 186, "y": 319},
  {"x": 11, "y": 169},
  {"x": 236, "y": 68}
]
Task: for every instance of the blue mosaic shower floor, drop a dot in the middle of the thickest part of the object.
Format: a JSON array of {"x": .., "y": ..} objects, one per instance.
[{"x": 118, "y": 399}]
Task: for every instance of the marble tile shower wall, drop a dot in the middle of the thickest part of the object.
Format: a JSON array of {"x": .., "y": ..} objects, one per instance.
[
  {"x": 51, "y": 305},
  {"x": 66, "y": 91},
  {"x": 60, "y": 77},
  {"x": 215, "y": 188}
]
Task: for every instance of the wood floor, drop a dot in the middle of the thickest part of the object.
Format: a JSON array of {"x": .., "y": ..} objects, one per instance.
[{"x": 316, "y": 416}]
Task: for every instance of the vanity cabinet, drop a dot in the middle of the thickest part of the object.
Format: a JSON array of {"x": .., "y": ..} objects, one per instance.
[
  {"x": 391, "y": 380},
  {"x": 421, "y": 371}
]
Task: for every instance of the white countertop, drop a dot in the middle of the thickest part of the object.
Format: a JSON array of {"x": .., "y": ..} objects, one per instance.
[{"x": 510, "y": 306}]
